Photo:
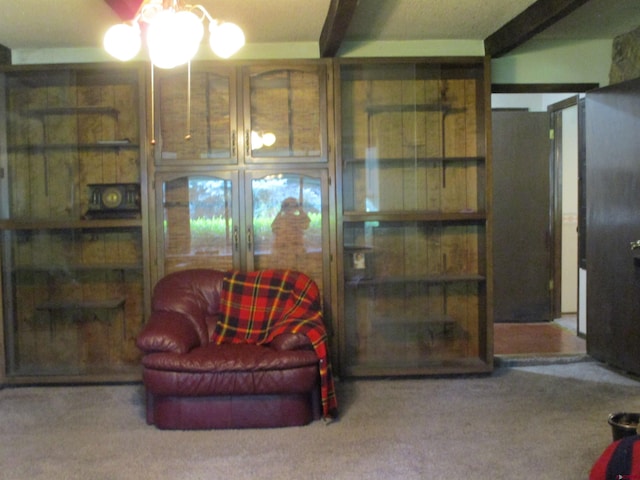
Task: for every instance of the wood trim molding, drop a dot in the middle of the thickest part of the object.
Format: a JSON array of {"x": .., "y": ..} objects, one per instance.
[
  {"x": 542, "y": 87},
  {"x": 335, "y": 26},
  {"x": 5, "y": 55},
  {"x": 530, "y": 22}
]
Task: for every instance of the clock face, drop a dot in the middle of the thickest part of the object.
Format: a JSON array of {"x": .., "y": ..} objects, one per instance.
[
  {"x": 113, "y": 200},
  {"x": 111, "y": 197}
]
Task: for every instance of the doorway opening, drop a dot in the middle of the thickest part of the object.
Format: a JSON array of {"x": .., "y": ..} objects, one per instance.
[{"x": 553, "y": 322}]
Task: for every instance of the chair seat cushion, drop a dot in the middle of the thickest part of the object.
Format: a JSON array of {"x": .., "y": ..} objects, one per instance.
[
  {"x": 230, "y": 358},
  {"x": 231, "y": 370}
]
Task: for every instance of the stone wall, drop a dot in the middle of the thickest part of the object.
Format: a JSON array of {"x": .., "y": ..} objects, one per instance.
[{"x": 625, "y": 60}]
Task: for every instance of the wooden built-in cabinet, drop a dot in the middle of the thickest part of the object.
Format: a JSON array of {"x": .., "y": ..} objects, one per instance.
[
  {"x": 413, "y": 220},
  {"x": 381, "y": 167},
  {"x": 241, "y": 170},
  {"x": 73, "y": 247}
]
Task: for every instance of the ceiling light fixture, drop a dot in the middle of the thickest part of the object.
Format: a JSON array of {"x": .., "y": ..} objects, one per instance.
[{"x": 174, "y": 31}]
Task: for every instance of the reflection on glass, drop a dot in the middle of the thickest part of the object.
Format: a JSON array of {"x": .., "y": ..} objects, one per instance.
[
  {"x": 288, "y": 227},
  {"x": 198, "y": 226},
  {"x": 287, "y": 223}
]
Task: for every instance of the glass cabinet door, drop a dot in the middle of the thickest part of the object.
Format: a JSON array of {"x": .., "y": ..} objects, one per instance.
[
  {"x": 66, "y": 131},
  {"x": 197, "y": 226},
  {"x": 289, "y": 222},
  {"x": 284, "y": 225},
  {"x": 285, "y": 114},
  {"x": 414, "y": 220},
  {"x": 73, "y": 254},
  {"x": 75, "y": 302},
  {"x": 196, "y": 122}
]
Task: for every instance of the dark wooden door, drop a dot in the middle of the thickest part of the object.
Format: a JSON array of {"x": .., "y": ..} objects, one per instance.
[
  {"x": 613, "y": 222},
  {"x": 521, "y": 198}
]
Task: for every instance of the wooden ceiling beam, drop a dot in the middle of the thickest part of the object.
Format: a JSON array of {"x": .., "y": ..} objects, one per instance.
[
  {"x": 126, "y": 9},
  {"x": 335, "y": 26},
  {"x": 530, "y": 22}
]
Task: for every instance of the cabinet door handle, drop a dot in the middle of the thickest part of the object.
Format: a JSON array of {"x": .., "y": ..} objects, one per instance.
[
  {"x": 247, "y": 143},
  {"x": 249, "y": 239},
  {"x": 233, "y": 144},
  {"x": 236, "y": 239}
]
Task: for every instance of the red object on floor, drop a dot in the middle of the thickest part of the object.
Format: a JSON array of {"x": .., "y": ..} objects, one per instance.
[{"x": 619, "y": 461}]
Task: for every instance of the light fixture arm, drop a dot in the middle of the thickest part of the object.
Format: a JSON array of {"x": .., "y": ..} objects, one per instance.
[{"x": 203, "y": 11}]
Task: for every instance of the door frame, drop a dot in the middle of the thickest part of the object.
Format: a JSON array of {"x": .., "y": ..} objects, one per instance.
[{"x": 555, "y": 111}]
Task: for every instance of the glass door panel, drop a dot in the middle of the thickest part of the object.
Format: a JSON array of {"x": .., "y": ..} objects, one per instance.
[
  {"x": 411, "y": 292},
  {"x": 75, "y": 304},
  {"x": 411, "y": 326},
  {"x": 197, "y": 222},
  {"x": 289, "y": 221},
  {"x": 196, "y": 121},
  {"x": 286, "y": 113},
  {"x": 410, "y": 139}
]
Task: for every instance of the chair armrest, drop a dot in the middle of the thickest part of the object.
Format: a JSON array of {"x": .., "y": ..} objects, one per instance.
[
  {"x": 167, "y": 332},
  {"x": 291, "y": 341}
]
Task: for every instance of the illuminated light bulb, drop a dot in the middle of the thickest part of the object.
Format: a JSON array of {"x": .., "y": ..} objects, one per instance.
[
  {"x": 225, "y": 39},
  {"x": 122, "y": 41},
  {"x": 174, "y": 38},
  {"x": 268, "y": 139}
]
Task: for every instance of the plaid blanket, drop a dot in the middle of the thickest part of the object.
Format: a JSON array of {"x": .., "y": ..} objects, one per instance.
[{"x": 258, "y": 306}]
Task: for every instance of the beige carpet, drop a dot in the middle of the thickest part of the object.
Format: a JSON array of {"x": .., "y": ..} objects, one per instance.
[{"x": 539, "y": 423}]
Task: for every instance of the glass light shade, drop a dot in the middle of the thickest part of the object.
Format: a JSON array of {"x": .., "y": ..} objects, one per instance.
[
  {"x": 174, "y": 38},
  {"x": 122, "y": 41},
  {"x": 256, "y": 141},
  {"x": 226, "y": 38},
  {"x": 268, "y": 139}
]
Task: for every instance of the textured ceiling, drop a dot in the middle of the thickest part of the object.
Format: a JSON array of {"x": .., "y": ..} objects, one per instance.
[
  {"x": 67, "y": 23},
  {"x": 431, "y": 19},
  {"x": 82, "y": 23},
  {"x": 597, "y": 19}
]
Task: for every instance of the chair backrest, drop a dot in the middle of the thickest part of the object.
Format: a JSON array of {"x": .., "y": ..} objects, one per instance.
[{"x": 194, "y": 293}]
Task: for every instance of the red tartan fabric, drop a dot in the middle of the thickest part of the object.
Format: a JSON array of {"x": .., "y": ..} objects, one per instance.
[{"x": 258, "y": 306}]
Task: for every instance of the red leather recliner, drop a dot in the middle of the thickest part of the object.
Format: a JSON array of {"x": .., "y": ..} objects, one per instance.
[{"x": 196, "y": 380}]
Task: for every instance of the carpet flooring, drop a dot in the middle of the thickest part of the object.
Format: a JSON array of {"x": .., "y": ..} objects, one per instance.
[{"x": 537, "y": 423}]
